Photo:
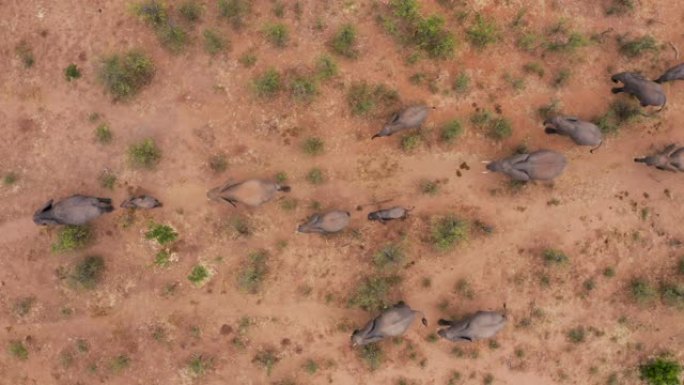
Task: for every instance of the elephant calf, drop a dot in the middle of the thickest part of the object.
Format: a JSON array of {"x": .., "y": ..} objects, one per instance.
[
  {"x": 141, "y": 202},
  {"x": 481, "y": 325},
  {"x": 538, "y": 165},
  {"x": 252, "y": 192},
  {"x": 670, "y": 159},
  {"x": 581, "y": 132},
  {"x": 388, "y": 214},
  {"x": 392, "y": 322},
  {"x": 330, "y": 222},
  {"x": 674, "y": 73},
  {"x": 74, "y": 210},
  {"x": 410, "y": 117},
  {"x": 648, "y": 92}
]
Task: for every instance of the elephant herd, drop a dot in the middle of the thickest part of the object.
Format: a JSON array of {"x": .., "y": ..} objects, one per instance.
[{"x": 541, "y": 165}]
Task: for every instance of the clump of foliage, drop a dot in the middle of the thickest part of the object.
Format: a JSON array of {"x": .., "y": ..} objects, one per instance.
[
  {"x": 326, "y": 67},
  {"x": 372, "y": 355},
  {"x": 555, "y": 257},
  {"x": 103, "y": 134},
  {"x": 235, "y": 11},
  {"x": 71, "y": 72},
  {"x": 25, "y": 53},
  {"x": 163, "y": 258},
  {"x": 549, "y": 110},
  {"x": 156, "y": 15},
  {"x": 18, "y": 350},
  {"x": 315, "y": 176},
  {"x": 248, "y": 59},
  {"x": 637, "y": 47},
  {"x": 364, "y": 98},
  {"x": 448, "y": 232},
  {"x": 641, "y": 290},
  {"x": 199, "y": 365},
  {"x": 462, "y": 83},
  {"x": 561, "y": 78},
  {"x": 266, "y": 359},
  {"x": 107, "y": 179},
  {"x": 498, "y": 128},
  {"x": 218, "y": 163},
  {"x": 214, "y": 43},
  {"x": 277, "y": 34},
  {"x": 576, "y": 335},
  {"x": 483, "y": 32},
  {"x": 672, "y": 294},
  {"x": 268, "y": 84},
  {"x": 429, "y": 187},
  {"x": 72, "y": 237},
  {"x": 450, "y": 131},
  {"x": 372, "y": 293},
  {"x": 253, "y": 273},
  {"x": 88, "y": 272},
  {"x": 125, "y": 75},
  {"x": 567, "y": 42},
  {"x": 528, "y": 41},
  {"x": 163, "y": 234},
  {"x": 534, "y": 68},
  {"x": 344, "y": 42},
  {"x": 303, "y": 88},
  {"x": 10, "y": 178},
  {"x": 680, "y": 266},
  {"x": 427, "y": 33},
  {"x": 389, "y": 256},
  {"x": 191, "y": 11},
  {"x": 311, "y": 366},
  {"x": 464, "y": 288},
  {"x": 661, "y": 371},
  {"x": 313, "y": 146},
  {"x": 198, "y": 275},
  {"x": 621, "y": 7},
  {"x": 120, "y": 363},
  {"x": 411, "y": 141},
  {"x": 144, "y": 154},
  {"x": 620, "y": 112}
]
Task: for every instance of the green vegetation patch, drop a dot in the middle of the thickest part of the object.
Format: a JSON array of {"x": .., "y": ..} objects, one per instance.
[
  {"x": 72, "y": 237},
  {"x": 637, "y": 47},
  {"x": 483, "y": 32},
  {"x": 71, "y": 72},
  {"x": 448, "y": 231},
  {"x": 144, "y": 154},
  {"x": 372, "y": 293},
  {"x": 344, "y": 42},
  {"x": 661, "y": 371},
  {"x": 235, "y": 11},
  {"x": 251, "y": 277},
  {"x": 268, "y": 84},
  {"x": 390, "y": 256},
  {"x": 364, "y": 98},
  {"x": 163, "y": 234},
  {"x": 124, "y": 75}
]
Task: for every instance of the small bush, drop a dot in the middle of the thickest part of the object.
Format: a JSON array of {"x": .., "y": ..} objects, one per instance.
[
  {"x": 429, "y": 187},
  {"x": 372, "y": 355},
  {"x": 10, "y": 178},
  {"x": 163, "y": 234},
  {"x": 637, "y": 47},
  {"x": 279, "y": 9},
  {"x": 641, "y": 290},
  {"x": 609, "y": 272},
  {"x": 621, "y": 7},
  {"x": 448, "y": 232},
  {"x": 555, "y": 257},
  {"x": 25, "y": 53},
  {"x": 389, "y": 256},
  {"x": 152, "y": 12},
  {"x": 528, "y": 42},
  {"x": 372, "y": 293},
  {"x": 72, "y": 72},
  {"x": 163, "y": 258},
  {"x": 18, "y": 350},
  {"x": 191, "y": 11},
  {"x": 277, "y": 34},
  {"x": 576, "y": 335},
  {"x": 364, "y": 98},
  {"x": 431, "y": 36},
  {"x": 499, "y": 129},
  {"x": 619, "y": 113},
  {"x": 344, "y": 42},
  {"x": 313, "y": 146},
  {"x": 155, "y": 14},
  {"x": 661, "y": 371},
  {"x": 462, "y": 83},
  {"x": 550, "y": 110},
  {"x": 125, "y": 75},
  {"x": 214, "y": 43},
  {"x": 267, "y": 360},
  {"x": 253, "y": 273},
  {"x": 406, "y": 9},
  {"x": 311, "y": 367},
  {"x": 72, "y": 238},
  {"x": 534, "y": 68},
  {"x": 144, "y": 154},
  {"x": 173, "y": 37},
  {"x": 107, "y": 179},
  {"x": 561, "y": 78},
  {"x": 281, "y": 177},
  {"x": 672, "y": 294},
  {"x": 411, "y": 141},
  {"x": 483, "y": 32},
  {"x": 268, "y": 84},
  {"x": 303, "y": 88},
  {"x": 199, "y": 365},
  {"x": 198, "y": 275},
  {"x": 235, "y": 11},
  {"x": 464, "y": 289},
  {"x": 451, "y": 131},
  {"x": 248, "y": 59},
  {"x": 120, "y": 363},
  {"x": 567, "y": 44},
  {"x": 315, "y": 176},
  {"x": 218, "y": 163},
  {"x": 103, "y": 134},
  {"x": 88, "y": 272},
  {"x": 326, "y": 67}
]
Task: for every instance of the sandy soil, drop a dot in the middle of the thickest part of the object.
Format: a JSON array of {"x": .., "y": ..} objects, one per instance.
[{"x": 197, "y": 106}]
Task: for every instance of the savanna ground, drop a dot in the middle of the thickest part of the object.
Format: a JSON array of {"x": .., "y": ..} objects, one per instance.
[{"x": 268, "y": 306}]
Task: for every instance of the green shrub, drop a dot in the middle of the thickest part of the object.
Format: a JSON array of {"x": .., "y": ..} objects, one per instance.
[
  {"x": 528, "y": 41},
  {"x": 72, "y": 72},
  {"x": 576, "y": 335},
  {"x": 107, "y": 179},
  {"x": 637, "y": 47},
  {"x": 620, "y": 112},
  {"x": 448, "y": 232},
  {"x": 218, "y": 163},
  {"x": 18, "y": 350},
  {"x": 555, "y": 257},
  {"x": 313, "y": 146},
  {"x": 641, "y": 290},
  {"x": 72, "y": 237},
  {"x": 311, "y": 366},
  {"x": 199, "y": 365},
  {"x": 483, "y": 32},
  {"x": 248, "y": 59},
  {"x": 621, "y": 7},
  {"x": 281, "y": 177},
  {"x": 661, "y": 371},
  {"x": 103, "y": 134},
  {"x": 481, "y": 118},
  {"x": 562, "y": 78},
  {"x": 364, "y": 98},
  {"x": 191, "y": 11},
  {"x": 680, "y": 266},
  {"x": 279, "y": 9},
  {"x": 315, "y": 176},
  {"x": 88, "y": 272},
  {"x": 267, "y": 359},
  {"x": 389, "y": 256},
  {"x": 406, "y": 9},
  {"x": 25, "y": 53},
  {"x": 609, "y": 272},
  {"x": 198, "y": 275},
  {"x": 518, "y": 84},
  {"x": 431, "y": 37},
  {"x": 411, "y": 141},
  {"x": 372, "y": 355},
  {"x": 550, "y": 110},
  {"x": 462, "y": 83},
  {"x": 144, "y": 154},
  {"x": 10, "y": 178},
  {"x": 120, "y": 363},
  {"x": 163, "y": 234},
  {"x": 344, "y": 42},
  {"x": 214, "y": 43},
  {"x": 155, "y": 14},
  {"x": 672, "y": 294},
  {"x": 235, "y": 11},
  {"x": 567, "y": 43},
  {"x": 163, "y": 258},
  {"x": 125, "y": 75},
  {"x": 534, "y": 68},
  {"x": 451, "y": 131},
  {"x": 500, "y": 129},
  {"x": 173, "y": 37},
  {"x": 303, "y": 88},
  {"x": 277, "y": 34},
  {"x": 253, "y": 273},
  {"x": 268, "y": 84},
  {"x": 326, "y": 67},
  {"x": 372, "y": 293}
]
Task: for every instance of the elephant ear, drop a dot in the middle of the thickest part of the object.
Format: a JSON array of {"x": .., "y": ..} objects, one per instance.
[
  {"x": 395, "y": 118},
  {"x": 47, "y": 206},
  {"x": 573, "y": 119}
]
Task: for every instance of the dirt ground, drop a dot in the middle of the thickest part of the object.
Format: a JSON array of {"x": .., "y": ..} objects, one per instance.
[{"x": 604, "y": 211}]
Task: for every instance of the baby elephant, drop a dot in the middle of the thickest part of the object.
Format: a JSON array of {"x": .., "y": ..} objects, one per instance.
[
  {"x": 410, "y": 117},
  {"x": 252, "y": 192},
  {"x": 538, "y": 165},
  {"x": 74, "y": 210},
  {"x": 581, "y": 132},
  {"x": 481, "y": 325},
  {"x": 388, "y": 214},
  {"x": 670, "y": 159},
  {"x": 393, "y": 322},
  {"x": 674, "y": 73},
  {"x": 648, "y": 92},
  {"x": 140, "y": 202},
  {"x": 330, "y": 222}
]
